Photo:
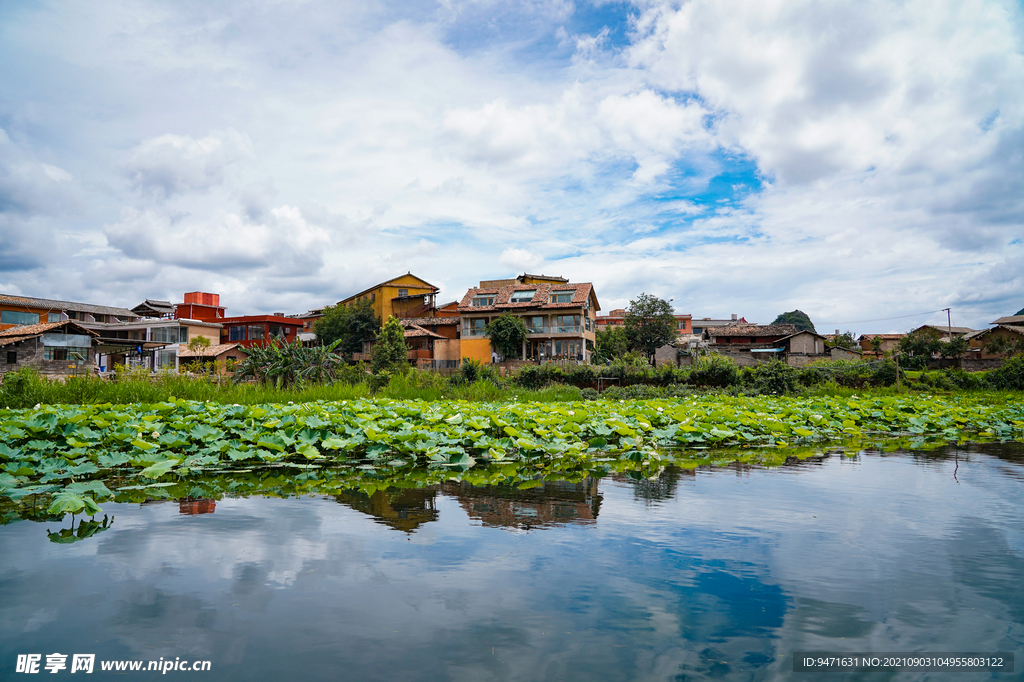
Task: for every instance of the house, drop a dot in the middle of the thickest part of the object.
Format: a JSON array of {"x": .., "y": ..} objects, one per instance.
[
  {"x": 151, "y": 342},
  {"x": 706, "y": 323},
  {"x": 1015, "y": 320},
  {"x": 617, "y": 318},
  {"x": 403, "y": 296},
  {"x": 220, "y": 357},
  {"x": 25, "y": 310},
  {"x": 151, "y": 308},
  {"x": 749, "y": 344},
  {"x": 560, "y": 317},
  {"x": 886, "y": 343},
  {"x": 942, "y": 331},
  {"x": 245, "y": 330},
  {"x": 798, "y": 349},
  {"x": 983, "y": 343},
  {"x": 59, "y": 348}
]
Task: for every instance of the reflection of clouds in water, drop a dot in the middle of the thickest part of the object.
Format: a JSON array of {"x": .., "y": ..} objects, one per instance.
[{"x": 725, "y": 578}]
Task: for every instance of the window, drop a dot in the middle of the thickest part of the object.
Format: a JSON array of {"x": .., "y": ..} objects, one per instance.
[
  {"x": 12, "y": 357},
  {"x": 70, "y": 353},
  {"x": 277, "y": 331},
  {"x": 567, "y": 348},
  {"x": 236, "y": 333},
  {"x": 535, "y": 324},
  {"x": 255, "y": 332},
  {"x": 74, "y": 315},
  {"x": 15, "y": 317},
  {"x": 586, "y": 321},
  {"x": 567, "y": 324},
  {"x": 475, "y": 327},
  {"x": 182, "y": 334},
  {"x": 562, "y": 297},
  {"x": 479, "y": 301},
  {"x": 164, "y": 335},
  {"x": 99, "y": 318},
  {"x": 53, "y": 317},
  {"x": 403, "y": 293},
  {"x": 522, "y": 296}
]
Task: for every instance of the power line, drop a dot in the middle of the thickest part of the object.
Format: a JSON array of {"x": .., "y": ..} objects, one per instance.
[{"x": 884, "y": 319}]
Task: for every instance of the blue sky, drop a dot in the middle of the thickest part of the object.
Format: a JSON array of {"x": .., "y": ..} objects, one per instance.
[{"x": 854, "y": 161}]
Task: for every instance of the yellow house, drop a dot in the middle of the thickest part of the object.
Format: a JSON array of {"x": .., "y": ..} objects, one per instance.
[{"x": 402, "y": 297}]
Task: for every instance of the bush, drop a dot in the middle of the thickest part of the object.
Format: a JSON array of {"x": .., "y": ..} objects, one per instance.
[
  {"x": 589, "y": 394},
  {"x": 1009, "y": 377},
  {"x": 969, "y": 381},
  {"x": 774, "y": 377},
  {"x": 714, "y": 370}
]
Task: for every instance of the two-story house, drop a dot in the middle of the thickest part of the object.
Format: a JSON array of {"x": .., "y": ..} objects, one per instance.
[{"x": 560, "y": 317}]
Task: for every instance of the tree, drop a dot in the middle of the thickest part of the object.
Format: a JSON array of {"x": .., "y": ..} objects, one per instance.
[
  {"x": 798, "y": 319},
  {"x": 390, "y": 352},
  {"x": 954, "y": 348},
  {"x": 844, "y": 340},
  {"x": 610, "y": 344},
  {"x": 920, "y": 346},
  {"x": 1004, "y": 345},
  {"x": 197, "y": 342},
  {"x": 650, "y": 324},
  {"x": 350, "y": 325},
  {"x": 1019, "y": 312},
  {"x": 507, "y": 333}
]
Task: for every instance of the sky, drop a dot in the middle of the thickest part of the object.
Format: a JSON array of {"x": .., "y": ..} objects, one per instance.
[{"x": 862, "y": 162}]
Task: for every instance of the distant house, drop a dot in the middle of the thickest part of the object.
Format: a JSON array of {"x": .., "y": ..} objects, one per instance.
[
  {"x": 749, "y": 344},
  {"x": 151, "y": 342},
  {"x": 218, "y": 357},
  {"x": 1015, "y": 320},
  {"x": 403, "y": 296},
  {"x": 617, "y": 318},
  {"x": 887, "y": 343},
  {"x": 25, "y": 310},
  {"x": 56, "y": 348},
  {"x": 151, "y": 308},
  {"x": 802, "y": 348},
  {"x": 560, "y": 317},
  {"x": 980, "y": 342},
  {"x": 704, "y": 324},
  {"x": 942, "y": 331}
]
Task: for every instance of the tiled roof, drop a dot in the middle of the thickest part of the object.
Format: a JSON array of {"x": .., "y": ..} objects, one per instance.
[
  {"x": 944, "y": 328},
  {"x": 427, "y": 321},
  {"x": 211, "y": 351},
  {"x": 415, "y": 330},
  {"x": 881, "y": 336},
  {"x": 540, "y": 301},
  {"x": 754, "y": 330},
  {"x": 52, "y": 304},
  {"x": 1011, "y": 319},
  {"x": 35, "y": 329}
]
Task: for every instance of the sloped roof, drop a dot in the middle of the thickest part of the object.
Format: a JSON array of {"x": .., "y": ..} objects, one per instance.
[
  {"x": 802, "y": 331},
  {"x": 783, "y": 330},
  {"x": 29, "y": 331},
  {"x": 1011, "y": 319},
  {"x": 156, "y": 306},
  {"x": 53, "y": 304},
  {"x": 422, "y": 321},
  {"x": 425, "y": 285},
  {"x": 944, "y": 328},
  {"x": 413, "y": 331},
  {"x": 211, "y": 351},
  {"x": 540, "y": 301},
  {"x": 880, "y": 336}
]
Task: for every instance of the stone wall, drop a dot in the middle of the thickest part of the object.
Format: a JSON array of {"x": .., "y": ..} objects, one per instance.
[{"x": 31, "y": 353}]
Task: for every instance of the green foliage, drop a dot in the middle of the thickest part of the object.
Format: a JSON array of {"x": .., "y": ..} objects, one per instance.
[
  {"x": 288, "y": 364},
  {"x": 650, "y": 324},
  {"x": 772, "y": 377},
  {"x": 349, "y": 325},
  {"x": 845, "y": 340},
  {"x": 954, "y": 348},
  {"x": 798, "y": 319},
  {"x": 470, "y": 369},
  {"x": 1009, "y": 377},
  {"x": 610, "y": 344},
  {"x": 197, "y": 342},
  {"x": 917, "y": 348},
  {"x": 714, "y": 370},
  {"x": 1005, "y": 345},
  {"x": 1019, "y": 312},
  {"x": 507, "y": 333},
  {"x": 390, "y": 354}
]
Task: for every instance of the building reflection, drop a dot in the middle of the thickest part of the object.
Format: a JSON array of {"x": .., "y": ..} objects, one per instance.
[
  {"x": 404, "y": 509},
  {"x": 192, "y": 506},
  {"x": 546, "y": 503}
]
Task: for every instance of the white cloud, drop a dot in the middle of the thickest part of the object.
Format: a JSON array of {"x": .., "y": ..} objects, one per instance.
[
  {"x": 173, "y": 164},
  {"x": 520, "y": 259}
]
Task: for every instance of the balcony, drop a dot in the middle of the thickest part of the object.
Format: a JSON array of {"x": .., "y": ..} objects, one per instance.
[
  {"x": 420, "y": 354},
  {"x": 555, "y": 329}
]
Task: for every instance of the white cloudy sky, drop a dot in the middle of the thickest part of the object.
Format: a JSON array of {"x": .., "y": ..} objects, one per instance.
[{"x": 854, "y": 160}]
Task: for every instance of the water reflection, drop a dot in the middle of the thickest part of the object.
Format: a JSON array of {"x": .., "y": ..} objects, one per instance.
[{"x": 668, "y": 574}]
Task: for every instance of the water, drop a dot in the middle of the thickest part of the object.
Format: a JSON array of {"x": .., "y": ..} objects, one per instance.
[{"x": 709, "y": 574}]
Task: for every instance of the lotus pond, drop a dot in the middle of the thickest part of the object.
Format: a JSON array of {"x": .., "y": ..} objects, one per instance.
[{"x": 377, "y": 540}]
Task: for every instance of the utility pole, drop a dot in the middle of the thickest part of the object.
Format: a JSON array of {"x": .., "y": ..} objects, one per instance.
[{"x": 949, "y": 323}]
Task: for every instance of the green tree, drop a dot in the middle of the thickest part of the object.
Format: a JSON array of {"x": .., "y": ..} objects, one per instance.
[
  {"x": 349, "y": 325},
  {"x": 1019, "y": 312},
  {"x": 610, "y": 344},
  {"x": 390, "y": 353},
  {"x": 844, "y": 340},
  {"x": 919, "y": 347},
  {"x": 798, "y": 319},
  {"x": 650, "y": 324},
  {"x": 197, "y": 342},
  {"x": 954, "y": 348},
  {"x": 1004, "y": 345},
  {"x": 507, "y": 333}
]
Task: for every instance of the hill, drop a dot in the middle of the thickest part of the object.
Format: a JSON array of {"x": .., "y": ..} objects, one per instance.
[{"x": 798, "y": 319}]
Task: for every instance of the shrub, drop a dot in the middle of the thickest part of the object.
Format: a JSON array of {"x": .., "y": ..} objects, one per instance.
[
  {"x": 1009, "y": 377},
  {"x": 714, "y": 370},
  {"x": 774, "y": 377}
]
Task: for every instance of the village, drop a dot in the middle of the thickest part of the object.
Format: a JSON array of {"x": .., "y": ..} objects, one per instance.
[{"x": 562, "y": 320}]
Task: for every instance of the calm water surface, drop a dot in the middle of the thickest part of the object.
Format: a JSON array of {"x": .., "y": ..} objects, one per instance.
[{"x": 713, "y": 574}]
